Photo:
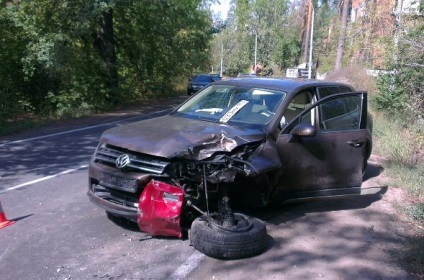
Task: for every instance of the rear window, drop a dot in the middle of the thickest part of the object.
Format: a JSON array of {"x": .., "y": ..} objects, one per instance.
[{"x": 202, "y": 78}]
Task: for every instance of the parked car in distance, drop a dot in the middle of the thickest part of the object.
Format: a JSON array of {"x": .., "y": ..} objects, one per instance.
[
  {"x": 200, "y": 81},
  {"x": 238, "y": 144},
  {"x": 246, "y": 75}
]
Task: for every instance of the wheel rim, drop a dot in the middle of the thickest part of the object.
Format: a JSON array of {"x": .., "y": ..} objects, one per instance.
[{"x": 243, "y": 223}]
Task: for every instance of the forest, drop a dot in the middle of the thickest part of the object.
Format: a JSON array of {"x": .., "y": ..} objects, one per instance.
[{"x": 70, "y": 58}]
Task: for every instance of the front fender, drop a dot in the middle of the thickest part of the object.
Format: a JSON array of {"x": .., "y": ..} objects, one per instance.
[{"x": 264, "y": 159}]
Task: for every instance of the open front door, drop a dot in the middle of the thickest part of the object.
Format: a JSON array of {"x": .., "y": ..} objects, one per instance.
[{"x": 332, "y": 156}]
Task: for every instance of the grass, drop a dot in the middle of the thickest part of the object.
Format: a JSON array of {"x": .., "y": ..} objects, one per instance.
[
  {"x": 416, "y": 211},
  {"x": 402, "y": 146},
  {"x": 7, "y": 128},
  {"x": 403, "y": 149}
]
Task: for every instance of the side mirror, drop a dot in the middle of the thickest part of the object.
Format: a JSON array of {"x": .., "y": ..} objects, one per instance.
[{"x": 303, "y": 130}]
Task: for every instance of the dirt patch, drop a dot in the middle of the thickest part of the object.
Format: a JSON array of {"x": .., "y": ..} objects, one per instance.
[{"x": 358, "y": 237}]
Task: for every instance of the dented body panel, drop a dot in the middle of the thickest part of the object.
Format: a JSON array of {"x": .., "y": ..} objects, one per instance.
[
  {"x": 159, "y": 209},
  {"x": 237, "y": 143},
  {"x": 174, "y": 137}
]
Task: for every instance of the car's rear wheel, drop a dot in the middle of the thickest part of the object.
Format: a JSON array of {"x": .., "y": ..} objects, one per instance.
[{"x": 245, "y": 239}]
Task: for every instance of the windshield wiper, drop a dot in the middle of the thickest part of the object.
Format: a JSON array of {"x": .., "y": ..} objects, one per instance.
[{"x": 210, "y": 110}]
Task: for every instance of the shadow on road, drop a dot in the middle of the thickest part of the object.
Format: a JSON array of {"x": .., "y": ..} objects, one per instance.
[
  {"x": 373, "y": 170},
  {"x": 293, "y": 209},
  {"x": 124, "y": 223},
  {"x": 280, "y": 214},
  {"x": 22, "y": 217}
]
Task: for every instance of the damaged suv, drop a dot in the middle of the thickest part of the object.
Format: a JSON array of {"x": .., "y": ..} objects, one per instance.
[{"x": 237, "y": 144}]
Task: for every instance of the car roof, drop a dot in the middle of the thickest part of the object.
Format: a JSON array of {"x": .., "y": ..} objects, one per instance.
[
  {"x": 205, "y": 74},
  {"x": 288, "y": 85}
]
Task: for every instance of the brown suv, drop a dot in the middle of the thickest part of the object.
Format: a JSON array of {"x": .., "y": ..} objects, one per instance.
[{"x": 237, "y": 144}]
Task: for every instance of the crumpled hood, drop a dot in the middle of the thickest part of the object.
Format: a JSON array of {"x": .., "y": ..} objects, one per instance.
[{"x": 169, "y": 136}]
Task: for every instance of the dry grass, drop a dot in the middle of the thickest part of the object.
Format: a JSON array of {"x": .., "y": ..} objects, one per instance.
[
  {"x": 403, "y": 148},
  {"x": 354, "y": 75},
  {"x": 400, "y": 144}
]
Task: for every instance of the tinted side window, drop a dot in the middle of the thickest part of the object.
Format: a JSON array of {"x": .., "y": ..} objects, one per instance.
[
  {"x": 340, "y": 114},
  {"x": 327, "y": 91},
  {"x": 344, "y": 89},
  {"x": 332, "y": 109}
]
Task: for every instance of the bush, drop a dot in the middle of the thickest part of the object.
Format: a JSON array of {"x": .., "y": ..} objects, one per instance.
[
  {"x": 390, "y": 97},
  {"x": 354, "y": 75}
]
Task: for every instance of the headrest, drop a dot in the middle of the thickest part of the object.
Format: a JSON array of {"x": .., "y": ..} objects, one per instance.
[{"x": 301, "y": 99}]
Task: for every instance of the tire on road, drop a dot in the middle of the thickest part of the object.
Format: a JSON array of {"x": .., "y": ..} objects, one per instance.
[{"x": 248, "y": 238}]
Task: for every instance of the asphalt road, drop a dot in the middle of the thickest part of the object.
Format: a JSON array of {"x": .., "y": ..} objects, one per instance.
[{"x": 59, "y": 234}]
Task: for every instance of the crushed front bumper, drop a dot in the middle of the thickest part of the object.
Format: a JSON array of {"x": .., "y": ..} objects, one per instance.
[{"x": 126, "y": 212}]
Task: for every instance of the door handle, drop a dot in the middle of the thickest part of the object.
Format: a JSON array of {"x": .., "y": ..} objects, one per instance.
[{"x": 356, "y": 143}]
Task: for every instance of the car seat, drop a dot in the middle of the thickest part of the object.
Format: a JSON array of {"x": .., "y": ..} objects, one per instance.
[{"x": 296, "y": 106}]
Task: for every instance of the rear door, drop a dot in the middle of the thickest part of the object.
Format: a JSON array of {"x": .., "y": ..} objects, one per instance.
[{"x": 334, "y": 157}]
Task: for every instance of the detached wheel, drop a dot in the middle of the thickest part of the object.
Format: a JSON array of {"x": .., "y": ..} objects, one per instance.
[{"x": 246, "y": 239}]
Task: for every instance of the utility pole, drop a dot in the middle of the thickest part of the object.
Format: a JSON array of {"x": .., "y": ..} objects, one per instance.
[
  {"x": 222, "y": 58},
  {"x": 308, "y": 30},
  {"x": 256, "y": 46}
]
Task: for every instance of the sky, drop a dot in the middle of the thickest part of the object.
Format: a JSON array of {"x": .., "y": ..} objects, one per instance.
[{"x": 222, "y": 8}]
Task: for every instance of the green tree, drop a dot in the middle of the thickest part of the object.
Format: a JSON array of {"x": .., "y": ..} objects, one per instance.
[
  {"x": 70, "y": 57},
  {"x": 401, "y": 90},
  {"x": 266, "y": 20}
]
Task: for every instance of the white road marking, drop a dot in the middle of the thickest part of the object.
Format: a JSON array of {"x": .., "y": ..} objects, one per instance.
[
  {"x": 42, "y": 179},
  {"x": 64, "y": 132},
  {"x": 81, "y": 129},
  {"x": 50, "y": 135},
  {"x": 188, "y": 266}
]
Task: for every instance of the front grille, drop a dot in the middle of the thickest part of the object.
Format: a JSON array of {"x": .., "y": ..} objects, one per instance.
[
  {"x": 116, "y": 197},
  {"x": 138, "y": 162}
]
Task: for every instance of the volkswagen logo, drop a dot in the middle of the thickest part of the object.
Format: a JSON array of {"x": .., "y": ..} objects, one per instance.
[{"x": 122, "y": 161}]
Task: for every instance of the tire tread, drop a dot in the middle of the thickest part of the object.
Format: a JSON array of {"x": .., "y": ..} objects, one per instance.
[{"x": 221, "y": 244}]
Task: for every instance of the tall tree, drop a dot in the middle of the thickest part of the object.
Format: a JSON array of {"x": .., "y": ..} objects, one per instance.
[
  {"x": 105, "y": 42},
  {"x": 342, "y": 35}
]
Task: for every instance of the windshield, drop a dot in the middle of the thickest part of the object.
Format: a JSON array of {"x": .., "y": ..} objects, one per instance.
[{"x": 233, "y": 104}]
